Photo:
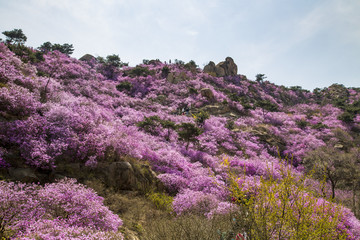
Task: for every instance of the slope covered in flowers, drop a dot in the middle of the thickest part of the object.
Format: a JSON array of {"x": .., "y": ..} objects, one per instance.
[{"x": 64, "y": 110}]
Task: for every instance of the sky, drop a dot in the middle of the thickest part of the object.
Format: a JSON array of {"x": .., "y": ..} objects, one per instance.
[{"x": 307, "y": 43}]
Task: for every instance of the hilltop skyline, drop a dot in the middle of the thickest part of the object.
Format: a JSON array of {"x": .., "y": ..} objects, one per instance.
[{"x": 309, "y": 44}]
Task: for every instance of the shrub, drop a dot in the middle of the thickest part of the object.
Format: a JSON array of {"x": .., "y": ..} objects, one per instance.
[
  {"x": 319, "y": 125},
  {"x": 285, "y": 209},
  {"x": 140, "y": 71},
  {"x": 27, "y": 209},
  {"x": 267, "y": 105},
  {"x": 192, "y": 90},
  {"x": 346, "y": 117},
  {"x": 201, "y": 117},
  {"x": 161, "y": 201},
  {"x": 124, "y": 86},
  {"x": 26, "y": 54},
  {"x": 188, "y": 133},
  {"x": 230, "y": 124},
  {"x": 57, "y": 230},
  {"x": 165, "y": 71},
  {"x": 149, "y": 124},
  {"x": 191, "y": 66},
  {"x": 302, "y": 123},
  {"x": 350, "y": 112}
]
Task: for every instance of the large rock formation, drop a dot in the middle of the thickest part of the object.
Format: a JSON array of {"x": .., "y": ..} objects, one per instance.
[
  {"x": 119, "y": 175},
  {"x": 229, "y": 66},
  {"x": 222, "y": 69},
  {"x": 211, "y": 67}
]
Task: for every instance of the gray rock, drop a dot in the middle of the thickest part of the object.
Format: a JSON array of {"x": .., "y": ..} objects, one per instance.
[
  {"x": 220, "y": 71},
  {"x": 231, "y": 67},
  {"x": 121, "y": 176},
  {"x": 210, "y": 68},
  {"x": 206, "y": 92},
  {"x": 339, "y": 146},
  {"x": 216, "y": 109},
  {"x": 23, "y": 174},
  {"x": 176, "y": 78},
  {"x": 170, "y": 77}
]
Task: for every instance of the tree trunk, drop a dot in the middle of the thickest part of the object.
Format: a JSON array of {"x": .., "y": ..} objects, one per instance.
[
  {"x": 354, "y": 198},
  {"x": 333, "y": 184}
]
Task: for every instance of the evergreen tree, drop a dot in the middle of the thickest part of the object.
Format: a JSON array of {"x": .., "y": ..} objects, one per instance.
[{"x": 15, "y": 36}]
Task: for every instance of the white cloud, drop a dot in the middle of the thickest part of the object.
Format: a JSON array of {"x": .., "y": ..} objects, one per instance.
[{"x": 192, "y": 32}]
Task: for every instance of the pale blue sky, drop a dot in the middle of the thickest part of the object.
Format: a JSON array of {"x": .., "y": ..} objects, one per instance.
[{"x": 310, "y": 43}]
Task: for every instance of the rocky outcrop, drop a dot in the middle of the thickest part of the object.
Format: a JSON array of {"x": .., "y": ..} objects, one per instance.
[
  {"x": 119, "y": 175},
  {"x": 176, "y": 77},
  {"x": 217, "y": 109},
  {"x": 222, "y": 69},
  {"x": 170, "y": 78},
  {"x": 210, "y": 68},
  {"x": 23, "y": 175},
  {"x": 206, "y": 92},
  {"x": 123, "y": 175},
  {"x": 229, "y": 66}
]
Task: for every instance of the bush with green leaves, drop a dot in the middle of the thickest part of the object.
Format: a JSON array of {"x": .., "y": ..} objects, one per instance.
[
  {"x": 201, "y": 117},
  {"x": 161, "y": 201},
  {"x": 192, "y": 90},
  {"x": 191, "y": 66},
  {"x": 285, "y": 209},
  {"x": 188, "y": 132},
  {"x": 126, "y": 85},
  {"x": 302, "y": 123},
  {"x": 140, "y": 71},
  {"x": 25, "y": 53},
  {"x": 350, "y": 112},
  {"x": 149, "y": 124},
  {"x": 152, "y": 123},
  {"x": 329, "y": 164},
  {"x": 319, "y": 125},
  {"x": 165, "y": 71}
]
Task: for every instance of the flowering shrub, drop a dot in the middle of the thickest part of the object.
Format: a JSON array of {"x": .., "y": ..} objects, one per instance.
[
  {"x": 58, "y": 230},
  {"x": 70, "y": 208},
  {"x": 17, "y": 101},
  {"x": 286, "y": 209},
  {"x": 194, "y": 202}
]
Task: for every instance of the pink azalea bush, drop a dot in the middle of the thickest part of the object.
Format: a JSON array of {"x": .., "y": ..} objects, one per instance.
[{"x": 68, "y": 207}]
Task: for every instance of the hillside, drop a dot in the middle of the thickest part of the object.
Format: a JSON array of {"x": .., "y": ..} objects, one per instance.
[{"x": 170, "y": 130}]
